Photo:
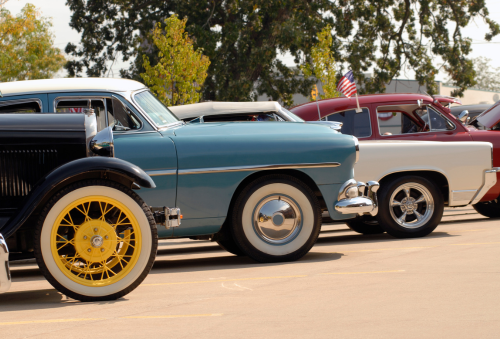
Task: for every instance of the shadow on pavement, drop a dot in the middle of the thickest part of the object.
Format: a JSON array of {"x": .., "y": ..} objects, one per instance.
[
  {"x": 361, "y": 239},
  {"x": 230, "y": 262}
]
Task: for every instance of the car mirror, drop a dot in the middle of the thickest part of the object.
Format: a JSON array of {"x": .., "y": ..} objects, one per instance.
[{"x": 463, "y": 116}]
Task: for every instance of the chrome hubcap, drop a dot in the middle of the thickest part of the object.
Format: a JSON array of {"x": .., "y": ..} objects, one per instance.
[
  {"x": 277, "y": 219},
  {"x": 412, "y": 205}
]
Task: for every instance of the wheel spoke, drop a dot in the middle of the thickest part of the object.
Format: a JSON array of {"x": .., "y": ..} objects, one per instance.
[
  {"x": 418, "y": 215},
  {"x": 419, "y": 200},
  {"x": 407, "y": 192},
  {"x": 402, "y": 218},
  {"x": 395, "y": 203}
]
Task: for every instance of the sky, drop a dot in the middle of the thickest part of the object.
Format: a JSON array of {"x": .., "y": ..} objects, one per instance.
[{"x": 61, "y": 14}]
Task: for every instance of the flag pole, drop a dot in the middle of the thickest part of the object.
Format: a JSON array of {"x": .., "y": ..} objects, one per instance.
[{"x": 358, "y": 110}]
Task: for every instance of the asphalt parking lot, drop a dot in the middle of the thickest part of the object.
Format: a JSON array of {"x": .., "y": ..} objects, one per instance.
[{"x": 348, "y": 286}]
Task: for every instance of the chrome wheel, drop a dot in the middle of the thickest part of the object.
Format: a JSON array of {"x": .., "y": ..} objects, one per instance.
[
  {"x": 411, "y": 205},
  {"x": 277, "y": 219}
]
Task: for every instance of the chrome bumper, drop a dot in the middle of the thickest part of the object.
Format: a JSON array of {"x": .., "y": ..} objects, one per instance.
[
  {"x": 4, "y": 266},
  {"x": 358, "y": 198},
  {"x": 490, "y": 179}
]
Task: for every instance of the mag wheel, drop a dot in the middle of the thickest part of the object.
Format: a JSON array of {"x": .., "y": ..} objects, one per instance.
[
  {"x": 276, "y": 218},
  {"x": 410, "y": 207},
  {"x": 96, "y": 240}
]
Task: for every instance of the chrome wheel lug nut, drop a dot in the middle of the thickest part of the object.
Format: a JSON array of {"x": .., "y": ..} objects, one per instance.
[
  {"x": 95, "y": 229},
  {"x": 106, "y": 237},
  {"x": 84, "y": 237},
  {"x": 102, "y": 249},
  {"x": 88, "y": 250}
]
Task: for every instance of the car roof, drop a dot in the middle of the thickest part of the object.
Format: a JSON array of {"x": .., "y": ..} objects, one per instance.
[
  {"x": 372, "y": 98},
  {"x": 223, "y": 107},
  {"x": 69, "y": 84}
]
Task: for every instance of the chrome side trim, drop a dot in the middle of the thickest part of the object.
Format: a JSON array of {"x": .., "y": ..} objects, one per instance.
[
  {"x": 256, "y": 168},
  {"x": 490, "y": 179},
  {"x": 5, "y": 279},
  {"x": 161, "y": 172},
  {"x": 356, "y": 145}
]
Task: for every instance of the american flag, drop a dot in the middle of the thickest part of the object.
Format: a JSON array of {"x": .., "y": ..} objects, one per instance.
[{"x": 346, "y": 85}]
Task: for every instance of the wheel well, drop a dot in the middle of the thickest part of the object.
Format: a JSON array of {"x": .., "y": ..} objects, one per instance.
[
  {"x": 294, "y": 173},
  {"x": 438, "y": 178}
]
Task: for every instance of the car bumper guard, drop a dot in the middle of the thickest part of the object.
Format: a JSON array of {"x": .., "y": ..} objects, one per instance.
[
  {"x": 490, "y": 179},
  {"x": 358, "y": 198}
]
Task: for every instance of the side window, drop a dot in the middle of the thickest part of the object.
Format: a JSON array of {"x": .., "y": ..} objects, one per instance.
[
  {"x": 20, "y": 106},
  {"x": 120, "y": 117},
  {"x": 438, "y": 122},
  {"x": 394, "y": 123},
  {"x": 81, "y": 106},
  {"x": 357, "y": 124}
]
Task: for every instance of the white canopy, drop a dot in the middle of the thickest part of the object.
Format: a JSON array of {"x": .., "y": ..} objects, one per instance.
[{"x": 220, "y": 107}]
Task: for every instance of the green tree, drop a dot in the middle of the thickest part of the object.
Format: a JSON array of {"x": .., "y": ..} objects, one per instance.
[
  {"x": 487, "y": 77},
  {"x": 181, "y": 70},
  {"x": 244, "y": 39},
  {"x": 27, "y": 46},
  {"x": 322, "y": 64}
]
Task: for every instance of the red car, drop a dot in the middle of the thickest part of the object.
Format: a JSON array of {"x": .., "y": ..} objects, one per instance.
[{"x": 412, "y": 117}]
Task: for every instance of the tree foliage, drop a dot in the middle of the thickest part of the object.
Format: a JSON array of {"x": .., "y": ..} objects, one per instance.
[
  {"x": 27, "y": 46},
  {"x": 244, "y": 40},
  {"x": 181, "y": 70},
  {"x": 487, "y": 77},
  {"x": 322, "y": 64}
]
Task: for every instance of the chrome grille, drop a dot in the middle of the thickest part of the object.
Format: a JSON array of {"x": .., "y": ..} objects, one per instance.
[{"x": 20, "y": 170}]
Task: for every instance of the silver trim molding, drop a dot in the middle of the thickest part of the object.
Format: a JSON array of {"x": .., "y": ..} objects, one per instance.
[
  {"x": 5, "y": 279},
  {"x": 161, "y": 172},
  {"x": 490, "y": 179},
  {"x": 256, "y": 168}
]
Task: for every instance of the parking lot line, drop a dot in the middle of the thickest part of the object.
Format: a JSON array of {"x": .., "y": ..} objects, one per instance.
[
  {"x": 224, "y": 280},
  {"x": 372, "y": 272},
  {"x": 173, "y": 316},
  {"x": 49, "y": 321}
]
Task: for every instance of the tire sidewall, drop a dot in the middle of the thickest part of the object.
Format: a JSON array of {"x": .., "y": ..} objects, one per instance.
[
  {"x": 391, "y": 226},
  {"x": 257, "y": 248},
  {"x": 126, "y": 281}
]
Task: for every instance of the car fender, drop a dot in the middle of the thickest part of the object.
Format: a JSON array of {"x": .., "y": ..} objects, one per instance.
[{"x": 67, "y": 173}]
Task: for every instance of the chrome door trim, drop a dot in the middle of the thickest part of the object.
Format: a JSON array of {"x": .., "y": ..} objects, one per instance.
[
  {"x": 157, "y": 173},
  {"x": 256, "y": 168}
]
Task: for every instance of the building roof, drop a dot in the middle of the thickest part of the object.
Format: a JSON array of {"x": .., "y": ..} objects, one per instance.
[
  {"x": 220, "y": 107},
  {"x": 69, "y": 84}
]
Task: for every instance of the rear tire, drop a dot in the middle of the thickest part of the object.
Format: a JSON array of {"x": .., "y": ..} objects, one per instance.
[
  {"x": 490, "y": 209},
  {"x": 276, "y": 218},
  {"x": 409, "y": 207},
  {"x": 365, "y": 225},
  {"x": 95, "y": 240},
  {"x": 225, "y": 240}
]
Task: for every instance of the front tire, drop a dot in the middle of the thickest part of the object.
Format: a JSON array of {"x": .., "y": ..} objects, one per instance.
[
  {"x": 276, "y": 218},
  {"x": 409, "y": 207},
  {"x": 490, "y": 209},
  {"x": 365, "y": 225},
  {"x": 95, "y": 240}
]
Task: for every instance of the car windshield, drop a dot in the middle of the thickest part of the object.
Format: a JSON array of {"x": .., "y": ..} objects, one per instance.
[
  {"x": 291, "y": 115},
  {"x": 160, "y": 114}
]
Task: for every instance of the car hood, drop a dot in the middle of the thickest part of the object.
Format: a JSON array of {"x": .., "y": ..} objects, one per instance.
[
  {"x": 491, "y": 116},
  {"x": 253, "y": 129}
]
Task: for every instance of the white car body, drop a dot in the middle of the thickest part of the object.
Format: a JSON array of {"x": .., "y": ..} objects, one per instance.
[{"x": 467, "y": 166}]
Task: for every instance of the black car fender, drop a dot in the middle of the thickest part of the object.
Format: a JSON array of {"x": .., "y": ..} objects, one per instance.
[{"x": 94, "y": 167}]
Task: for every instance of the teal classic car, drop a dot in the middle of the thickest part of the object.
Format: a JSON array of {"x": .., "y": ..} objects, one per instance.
[{"x": 255, "y": 189}]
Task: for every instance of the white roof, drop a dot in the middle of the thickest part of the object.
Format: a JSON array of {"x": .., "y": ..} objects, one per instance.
[
  {"x": 70, "y": 84},
  {"x": 220, "y": 107}
]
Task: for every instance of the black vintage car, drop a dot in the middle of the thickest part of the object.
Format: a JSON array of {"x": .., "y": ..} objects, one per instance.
[{"x": 65, "y": 200}]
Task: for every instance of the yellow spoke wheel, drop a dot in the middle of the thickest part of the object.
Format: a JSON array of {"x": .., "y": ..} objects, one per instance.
[{"x": 96, "y": 241}]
